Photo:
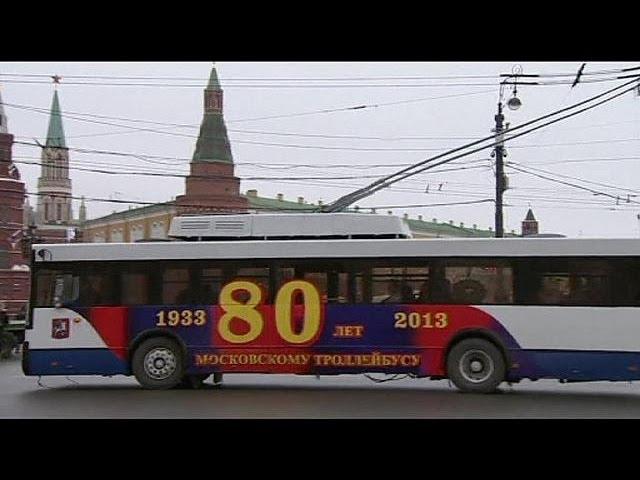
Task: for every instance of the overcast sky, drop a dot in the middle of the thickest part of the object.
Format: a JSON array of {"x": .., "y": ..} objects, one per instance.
[{"x": 598, "y": 146}]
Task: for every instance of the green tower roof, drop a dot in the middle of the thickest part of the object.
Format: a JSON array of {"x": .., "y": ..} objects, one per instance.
[
  {"x": 213, "y": 142},
  {"x": 55, "y": 132}
]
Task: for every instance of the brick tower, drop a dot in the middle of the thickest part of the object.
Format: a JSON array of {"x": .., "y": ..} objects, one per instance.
[
  {"x": 14, "y": 270},
  {"x": 529, "y": 225},
  {"x": 12, "y": 195},
  {"x": 211, "y": 186}
]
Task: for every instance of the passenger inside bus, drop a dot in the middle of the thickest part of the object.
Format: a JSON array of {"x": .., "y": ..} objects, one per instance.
[
  {"x": 89, "y": 294},
  {"x": 184, "y": 297},
  {"x": 399, "y": 293}
]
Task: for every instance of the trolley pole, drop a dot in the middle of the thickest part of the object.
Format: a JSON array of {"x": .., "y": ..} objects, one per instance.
[{"x": 499, "y": 150}]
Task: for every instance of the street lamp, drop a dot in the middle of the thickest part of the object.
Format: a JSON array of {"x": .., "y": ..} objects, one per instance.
[{"x": 514, "y": 102}]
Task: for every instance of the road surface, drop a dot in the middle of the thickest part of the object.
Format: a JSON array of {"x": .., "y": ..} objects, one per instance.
[{"x": 291, "y": 396}]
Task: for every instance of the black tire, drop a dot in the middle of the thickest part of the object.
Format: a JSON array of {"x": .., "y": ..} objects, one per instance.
[
  {"x": 158, "y": 363},
  {"x": 475, "y": 365}
]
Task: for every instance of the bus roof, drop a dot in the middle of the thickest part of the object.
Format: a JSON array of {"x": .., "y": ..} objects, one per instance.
[
  {"x": 288, "y": 226},
  {"x": 275, "y": 249}
]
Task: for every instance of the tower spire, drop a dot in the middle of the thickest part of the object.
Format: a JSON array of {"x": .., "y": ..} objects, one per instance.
[
  {"x": 530, "y": 224},
  {"x": 214, "y": 83},
  {"x": 213, "y": 142},
  {"x": 55, "y": 132}
]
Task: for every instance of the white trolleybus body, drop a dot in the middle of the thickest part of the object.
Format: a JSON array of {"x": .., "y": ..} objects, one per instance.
[{"x": 335, "y": 294}]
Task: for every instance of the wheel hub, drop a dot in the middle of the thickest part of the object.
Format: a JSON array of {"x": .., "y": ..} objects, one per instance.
[
  {"x": 476, "y": 366},
  {"x": 160, "y": 363}
]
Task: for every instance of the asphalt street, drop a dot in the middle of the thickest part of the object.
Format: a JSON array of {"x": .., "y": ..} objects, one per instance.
[{"x": 291, "y": 396}]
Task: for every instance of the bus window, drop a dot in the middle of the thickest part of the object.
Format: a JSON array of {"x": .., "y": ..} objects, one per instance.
[
  {"x": 55, "y": 287},
  {"x": 44, "y": 281},
  {"x": 211, "y": 281},
  {"x": 337, "y": 287},
  {"x": 97, "y": 289},
  {"x": 359, "y": 289},
  {"x": 331, "y": 280},
  {"x": 134, "y": 288},
  {"x": 625, "y": 279},
  {"x": 259, "y": 276},
  {"x": 319, "y": 280},
  {"x": 399, "y": 284},
  {"x": 562, "y": 281},
  {"x": 311, "y": 273},
  {"x": 176, "y": 288},
  {"x": 477, "y": 282}
]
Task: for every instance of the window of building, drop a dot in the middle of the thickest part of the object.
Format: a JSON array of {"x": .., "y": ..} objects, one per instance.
[
  {"x": 136, "y": 233},
  {"x": 157, "y": 230},
  {"x": 116, "y": 235}
]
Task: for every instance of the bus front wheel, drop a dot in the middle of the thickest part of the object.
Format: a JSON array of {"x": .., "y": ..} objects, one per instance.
[
  {"x": 158, "y": 363},
  {"x": 476, "y": 365}
]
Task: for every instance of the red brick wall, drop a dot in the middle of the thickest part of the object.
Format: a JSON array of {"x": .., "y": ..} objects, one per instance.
[
  {"x": 218, "y": 193},
  {"x": 12, "y": 193},
  {"x": 14, "y": 289}
]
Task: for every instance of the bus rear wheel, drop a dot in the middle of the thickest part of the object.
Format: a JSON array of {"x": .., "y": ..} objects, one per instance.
[
  {"x": 475, "y": 365},
  {"x": 158, "y": 363}
]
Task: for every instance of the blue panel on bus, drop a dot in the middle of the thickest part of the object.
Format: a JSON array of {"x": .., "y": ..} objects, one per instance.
[
  {"x": 576, "y": 365},
  {"x": 146, "y": 318},
  {"x": 76, "y": 362}
]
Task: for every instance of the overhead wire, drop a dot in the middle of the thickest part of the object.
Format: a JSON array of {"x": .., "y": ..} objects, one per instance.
[
  {"x": 324, "y": 178},
  {"x": 343, "y": 78},
  {"x": 404, "y": 173},
  {"x": 574, "y": 185}
]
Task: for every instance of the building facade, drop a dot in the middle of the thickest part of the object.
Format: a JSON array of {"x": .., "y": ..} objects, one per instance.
[{"x": 14, "y": 270}]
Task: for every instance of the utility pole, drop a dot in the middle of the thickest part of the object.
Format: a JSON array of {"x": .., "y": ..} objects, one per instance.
[
  {"x": 499, "y": 151},
  {"x": 513, "y": 103}
]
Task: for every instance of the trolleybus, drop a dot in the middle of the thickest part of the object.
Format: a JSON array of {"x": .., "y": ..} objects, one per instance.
[{"x": 343, "y": 295}]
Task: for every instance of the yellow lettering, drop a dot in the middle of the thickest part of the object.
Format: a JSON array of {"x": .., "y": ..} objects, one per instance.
[
  {"x": 244, "y": 311},
  {"x": 284, "y": 300}
]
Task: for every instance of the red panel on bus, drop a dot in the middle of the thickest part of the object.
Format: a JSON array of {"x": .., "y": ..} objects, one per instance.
[{"x": 111, "y": 325}]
